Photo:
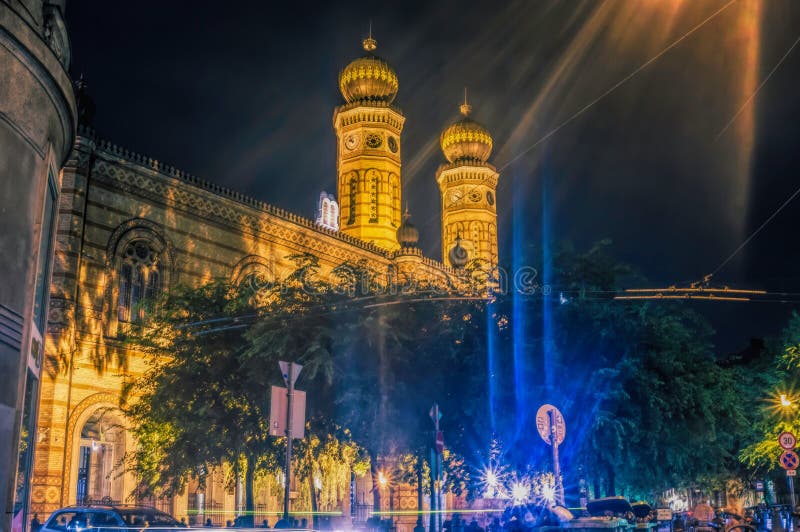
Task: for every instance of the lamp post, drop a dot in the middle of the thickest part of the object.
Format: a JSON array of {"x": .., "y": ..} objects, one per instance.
[
  {"x": 787, "y": 405},
  {"x": 384, "y": 482}
]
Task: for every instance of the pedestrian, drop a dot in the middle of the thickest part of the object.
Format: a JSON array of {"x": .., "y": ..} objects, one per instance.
[
  {"x": 35, "y": 523},
  {"x": 264, "y": 524},
  {"x": 209, "y": 524}
]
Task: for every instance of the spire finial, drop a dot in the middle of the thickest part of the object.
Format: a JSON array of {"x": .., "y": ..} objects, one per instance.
[
  {"x": 466, "y": 108},
  {"x": 406, "y": 214},
  {"x": 369, "y": 43}
]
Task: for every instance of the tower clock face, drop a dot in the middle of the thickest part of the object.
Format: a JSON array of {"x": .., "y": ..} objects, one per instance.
[
  {"x": 392, "y": 144},
  {"x": 351, "y": 141},
  {"x": 456, "y": 196},
  {"x": 490, "y": 198},
  {"x": 374, "y": 140},
  {"x": 474, "y": 196}
]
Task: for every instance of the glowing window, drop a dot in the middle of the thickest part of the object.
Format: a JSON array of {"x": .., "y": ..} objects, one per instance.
[{"x": 139, "y": 281}]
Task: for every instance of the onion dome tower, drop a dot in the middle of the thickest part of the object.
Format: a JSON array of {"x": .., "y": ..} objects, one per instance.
[
  {"x": 467, "y": 183},
  {"x": 368, "y": 130}
]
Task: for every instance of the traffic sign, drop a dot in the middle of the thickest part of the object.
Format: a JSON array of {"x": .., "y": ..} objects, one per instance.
[
  {"x": 789, "y": 460},
  {"x": 543, "y": 424},
  {"x": 439, "y": 442},
  {"x": 787, "y": 440},
  {"x": 435, "y": 413},
  {"x": 278, "y": 406},
  {"x": 285, "y": 372},
  {"x": 791, "y": 472}
]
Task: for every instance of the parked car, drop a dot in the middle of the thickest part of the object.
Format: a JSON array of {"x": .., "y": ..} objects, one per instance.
[{"x": 107, "y": 518}]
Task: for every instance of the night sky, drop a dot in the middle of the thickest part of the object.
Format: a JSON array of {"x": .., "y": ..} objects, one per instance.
[{"x": 242, "y": 94}]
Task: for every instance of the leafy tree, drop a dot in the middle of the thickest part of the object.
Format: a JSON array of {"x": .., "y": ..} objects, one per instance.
[
  {"x": 773, "y": 375},
  {"x": 324, "y": 460},
  {"x": 202, "y": 401},
  {"x": 647, "y": 404}
]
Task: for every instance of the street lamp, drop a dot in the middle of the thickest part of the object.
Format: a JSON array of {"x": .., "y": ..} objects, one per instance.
[
  {"x": 384, "y": 482},
  {"x": 785, "y": 401}
]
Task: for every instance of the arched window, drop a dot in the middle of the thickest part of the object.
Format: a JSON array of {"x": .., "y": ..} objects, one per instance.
[
  {"x": 139, "y": 280},
  {"x": 351, "y": 217},
  {"x": 334, "y": 220},
  {"x": 372, "y": 181},
  {"x": 395, "y": 189}
]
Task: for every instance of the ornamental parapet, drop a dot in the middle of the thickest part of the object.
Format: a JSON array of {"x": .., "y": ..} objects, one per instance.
[
  {"x": 162, "y": 169},
  {"x": 368, "y": 111}
]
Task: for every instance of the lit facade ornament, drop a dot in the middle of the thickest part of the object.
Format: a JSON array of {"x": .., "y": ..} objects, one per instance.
[
  {"x": 368, "y": 78},
  {"x": 407, "y": 234},
  {"x": 327, "y": 212}
]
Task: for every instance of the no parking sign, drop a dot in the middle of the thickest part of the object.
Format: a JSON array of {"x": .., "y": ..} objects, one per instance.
[{"x": 789, "y": 460}]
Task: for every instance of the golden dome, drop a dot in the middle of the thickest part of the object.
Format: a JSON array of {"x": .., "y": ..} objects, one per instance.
[
  {"x": 466, "y": 139},
  {"x": 368, "y": 77}
]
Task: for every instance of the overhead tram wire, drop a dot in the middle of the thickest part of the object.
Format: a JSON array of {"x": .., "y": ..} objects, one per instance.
[
  {"x": 238, "y": 322},
  {"x": 704, "y": 285},
  {"x": 754, "y": 233},
  {"x": 758, "y": 89},
  {"x": 602, "y": 96}
]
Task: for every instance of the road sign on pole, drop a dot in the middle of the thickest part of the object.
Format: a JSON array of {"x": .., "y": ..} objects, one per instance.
[
  {"x": 787, "y": 440},
  {"x": 552, "y": 428},
  {"x": 290, "y": 371},
  {"x": 436, "y": 469},
  {"x": 789, "y": 460},
  {"x": 277, "y": 413},
  {"x": 545, "y": 427},
  {"x": 439, "y": 442}
]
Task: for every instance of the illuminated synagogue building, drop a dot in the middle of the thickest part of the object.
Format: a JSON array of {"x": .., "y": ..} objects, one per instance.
[{"x": 130, "y": 227}]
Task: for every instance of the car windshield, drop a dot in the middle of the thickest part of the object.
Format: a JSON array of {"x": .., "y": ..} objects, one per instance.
[
  {"x": 64, "y": 520},
  {"x": 139, "y": 517}
]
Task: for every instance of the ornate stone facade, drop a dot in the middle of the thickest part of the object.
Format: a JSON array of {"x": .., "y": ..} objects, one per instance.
[
  {"x": 129, "y": 226},
  {"x": 37, "y": 129}
]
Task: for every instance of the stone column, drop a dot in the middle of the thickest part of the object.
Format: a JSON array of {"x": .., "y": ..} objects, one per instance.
[{"x": 37, "y": 128}]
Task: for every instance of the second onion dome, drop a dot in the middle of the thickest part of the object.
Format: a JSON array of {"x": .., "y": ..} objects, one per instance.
[
  {"x": 407, "y": 234},
  {"x": 458, "y": 255},
  {"x": 466, "y": 140},
  {"x": 368, "y": 78}
]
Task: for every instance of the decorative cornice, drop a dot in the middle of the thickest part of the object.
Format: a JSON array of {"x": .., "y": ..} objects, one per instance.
[
  {"x": 148, "y": 177},
  {"x": 370, "y": 112},
  {"x": 473, "y": 173}
]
